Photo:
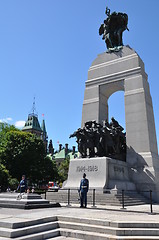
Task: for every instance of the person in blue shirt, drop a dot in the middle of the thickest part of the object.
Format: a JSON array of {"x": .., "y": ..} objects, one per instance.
[
  {"x": 84, "y": 186},
  {"x": 22, "y": 185}
]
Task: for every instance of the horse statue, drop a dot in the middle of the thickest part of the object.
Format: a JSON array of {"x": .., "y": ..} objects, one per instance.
[{"x": 113, "y": 28}]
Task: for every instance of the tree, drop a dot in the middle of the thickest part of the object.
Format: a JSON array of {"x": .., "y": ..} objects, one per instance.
[
  {"x": 4, "y": 177},
  {"x": 4, "y": 128},
  {"x": 49, "y": 170},
  {"x": 24, "y": 153},
  {"x": 13, "y": 184},
  {"x": 63, "y": 170}
]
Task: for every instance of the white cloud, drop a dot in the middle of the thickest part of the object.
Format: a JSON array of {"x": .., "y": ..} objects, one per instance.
[
  {"x": 9, "y": 119},
  {"x": 6, "y": 120},
  {"x": 19, "y": 124}
]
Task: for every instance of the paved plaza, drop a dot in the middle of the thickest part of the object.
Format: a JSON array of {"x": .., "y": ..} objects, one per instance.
[{"x": 140, "y": 213}]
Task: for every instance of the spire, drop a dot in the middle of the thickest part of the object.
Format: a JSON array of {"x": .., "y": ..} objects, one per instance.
[
  {"x": 33, "y": 110},
  {"x": 43, "y": 128},
  {"x": 44, "y": 133}
]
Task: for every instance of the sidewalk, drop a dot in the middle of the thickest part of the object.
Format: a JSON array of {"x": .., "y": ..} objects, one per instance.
[{"x": 139, "y": 213}]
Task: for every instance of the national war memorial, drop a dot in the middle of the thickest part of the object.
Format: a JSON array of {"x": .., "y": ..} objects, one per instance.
[{"x": 110, "y": 158}]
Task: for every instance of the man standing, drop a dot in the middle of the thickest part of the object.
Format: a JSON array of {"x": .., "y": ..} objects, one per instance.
[
  {"x": 23, "y": 185},
  {"x": 84, "y": 186}
]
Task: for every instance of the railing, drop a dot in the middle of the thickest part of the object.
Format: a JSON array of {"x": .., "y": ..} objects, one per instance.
[
  {"x": 150, "y": 199},
  {"x": 93, "y": 191},
  {"x": 41, "y": 192}
]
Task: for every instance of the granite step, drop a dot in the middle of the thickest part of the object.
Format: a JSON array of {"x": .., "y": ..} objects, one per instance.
[
  {"x": 24, "y": 201},
  {"x": 110, "y": 230},
  {"x": 15, "y": 223},
  {"x": 63, "y": 238},
  {"x": 24, "y": 231},
  {"x": 99, "y": 236},
  {"x": 130, "y": 199},
  {"x": 76, "y": 227},
  {"x": 41, "y": 235},
  {"x": 109, "y": 223}
]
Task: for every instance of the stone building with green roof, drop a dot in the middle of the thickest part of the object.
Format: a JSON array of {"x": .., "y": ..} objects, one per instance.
[
  {"x": 64, "y": 153},
  {"x": 32, "y": 125}
]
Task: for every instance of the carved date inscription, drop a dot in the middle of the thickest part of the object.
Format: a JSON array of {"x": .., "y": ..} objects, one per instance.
[
  {"x": 91, "y": 168},
  {"x": 118, "y": 169}
]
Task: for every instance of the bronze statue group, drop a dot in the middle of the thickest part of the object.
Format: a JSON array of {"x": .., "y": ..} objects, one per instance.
[{"x": 95, "y": 140}]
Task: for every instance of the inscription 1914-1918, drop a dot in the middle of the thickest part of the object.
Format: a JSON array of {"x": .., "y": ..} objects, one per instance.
[{"x": 93, "y": 168}]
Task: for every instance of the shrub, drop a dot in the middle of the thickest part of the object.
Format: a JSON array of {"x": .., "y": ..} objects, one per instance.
[
  {"x": 13, "y": 183},
  {"x": 4, "y": 176}
]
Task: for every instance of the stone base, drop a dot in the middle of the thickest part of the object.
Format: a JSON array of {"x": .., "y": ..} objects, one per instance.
[
  {"x": 102, "y": 172},
  {"x": 145, "y": 174},
  {"x": 24, "y": 201}
]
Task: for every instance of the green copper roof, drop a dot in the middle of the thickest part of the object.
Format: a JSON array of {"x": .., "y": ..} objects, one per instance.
[
  {"x": 32, "y": 123},
  {"x": 63, "y": 155},
  {"x": 60, "y": 154}
]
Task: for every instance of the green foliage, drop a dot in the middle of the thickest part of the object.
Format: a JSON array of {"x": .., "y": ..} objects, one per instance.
[
  {"x": 4, "y": 176},
  {"x": 13, "y": 183},
  {"x": 63, "y": 170},
  {"x": 50, "y": 170},
  {"x": 24, "y": 153},
  {"x": 5, "y": 127}
]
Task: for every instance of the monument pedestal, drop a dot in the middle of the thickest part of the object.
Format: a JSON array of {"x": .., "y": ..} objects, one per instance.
[
  {"x": 24, "y": 201},
  {"x": 102, "y": 172}
]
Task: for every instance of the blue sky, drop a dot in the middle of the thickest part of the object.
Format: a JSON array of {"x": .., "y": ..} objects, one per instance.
[{"x": 47, "y": 47}]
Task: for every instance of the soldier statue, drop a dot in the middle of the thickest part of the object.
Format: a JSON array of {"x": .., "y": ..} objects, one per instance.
[{"x": 95, "y": 140}]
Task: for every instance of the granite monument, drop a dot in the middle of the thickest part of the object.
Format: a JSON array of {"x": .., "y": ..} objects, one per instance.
[{"x": 120, "y": 68}]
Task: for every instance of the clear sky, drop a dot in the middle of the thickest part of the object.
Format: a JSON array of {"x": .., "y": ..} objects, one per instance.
[{"x": 47, "y": 47}]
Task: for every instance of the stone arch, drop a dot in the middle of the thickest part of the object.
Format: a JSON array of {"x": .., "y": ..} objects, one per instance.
[
  {"x": 116, "y": 107},
  {"x": 106, "y": 90},
  {"x": 124, "y": 70}
]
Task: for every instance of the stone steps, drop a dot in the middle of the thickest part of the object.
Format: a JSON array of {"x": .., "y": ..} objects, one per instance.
[
  {"x": 109, "y": 230},
  {"x": 42, "y": 235},
  {"x": 14, "y": 233},
  {"x": 109, "y": 227},
  {"x": 28, "y": 206},
  {"x": 92, "y": 229},
  {"x": 19, "y": 223},
  {"x": 79, "y": 228},
  {"x": 99, "y": 236},
  {"x": 100, "y": 198},
  {"x": 44, "y": 228},
  {"x": 24, "y": 201},
  {"x": 63, "y": 238}
]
